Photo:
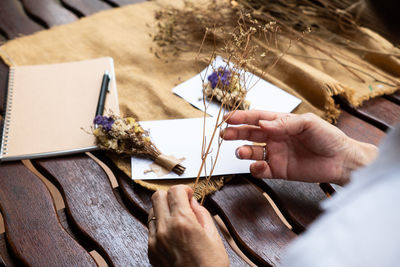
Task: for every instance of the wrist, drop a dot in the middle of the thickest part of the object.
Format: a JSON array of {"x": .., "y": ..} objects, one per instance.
[{"x": 359, "y": 155}]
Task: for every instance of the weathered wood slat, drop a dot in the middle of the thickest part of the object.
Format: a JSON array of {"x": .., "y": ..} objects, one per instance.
[
  {"x": 359, "y": 129},
  {"x": 32, "y": 227},
  {"x": 365, "y": 116},
  {"x": 62, "y": 216},
  {"x": 382, "y": 109},
  {"x": 234, "y": 259},
  {"x": 13, "y": 20},
  {"x": 8, "y": 259},
  {"x": 11, "y": 261},
  {"x": 86, "y": 8},
  {"x": 3, "y": 38},
  {"x": 137, "y": 197},
  {"x": 251, "y": 221},
  {"x": 134, "y": 193},
  {"x": 298, "y": 201},
  {"x": 3, "y": 85},
  {"x": 123, "y": 2},
  {"x": 2, "y": 263},
  {"x": 395, "y": 98},
  {"x": 396, "y": 95},
  {"x": 94, "y": 210},
  {"x": 49, "y": 12}
]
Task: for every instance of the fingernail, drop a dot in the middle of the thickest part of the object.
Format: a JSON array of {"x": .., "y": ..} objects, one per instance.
[
  {"x": 222, "y": 133},
  {"x": 237, "y": 153}
]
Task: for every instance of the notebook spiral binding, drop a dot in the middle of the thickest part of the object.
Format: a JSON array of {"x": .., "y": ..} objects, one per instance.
[{"x": 7, "y": 118}]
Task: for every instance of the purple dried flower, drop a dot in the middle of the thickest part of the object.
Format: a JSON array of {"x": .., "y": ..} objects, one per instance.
[
  {"x": 221, "y": 75},
  {"x": 104, "y": 121}
]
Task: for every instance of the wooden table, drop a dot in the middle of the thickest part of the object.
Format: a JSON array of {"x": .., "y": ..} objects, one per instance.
[{"x": 107, "y": 225}]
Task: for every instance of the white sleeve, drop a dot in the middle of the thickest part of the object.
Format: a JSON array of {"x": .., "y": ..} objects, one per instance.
[{"x": 361, "y": 226}]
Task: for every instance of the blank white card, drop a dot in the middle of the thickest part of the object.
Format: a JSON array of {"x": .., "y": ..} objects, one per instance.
[{"x": 183, "y": 139}]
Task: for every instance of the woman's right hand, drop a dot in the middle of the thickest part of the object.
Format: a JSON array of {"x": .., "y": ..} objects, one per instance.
[{"x": 299, "y": 147}]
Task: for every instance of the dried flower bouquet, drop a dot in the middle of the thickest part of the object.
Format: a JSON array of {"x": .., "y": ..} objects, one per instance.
[
  {"x": 126, "y": 137},
  {"x": 224, "y": 86}
]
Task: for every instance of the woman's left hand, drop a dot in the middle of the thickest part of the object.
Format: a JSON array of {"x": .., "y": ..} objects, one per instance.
[{"x": 183, "y": 233}]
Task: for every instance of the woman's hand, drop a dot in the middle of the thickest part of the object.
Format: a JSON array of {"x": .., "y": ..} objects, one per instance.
[
  {"x": 182, "y": 233},
  {"x": 299, "y": 147}
]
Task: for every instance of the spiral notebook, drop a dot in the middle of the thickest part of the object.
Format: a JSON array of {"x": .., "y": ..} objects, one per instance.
[{"x": 50, "y": 108}]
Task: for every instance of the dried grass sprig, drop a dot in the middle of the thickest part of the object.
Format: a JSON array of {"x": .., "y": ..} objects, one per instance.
[
  {"x": 333, "y": 22},
  {"x": 126, "y": 137}
]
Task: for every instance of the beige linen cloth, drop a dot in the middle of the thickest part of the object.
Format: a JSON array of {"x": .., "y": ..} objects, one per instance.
[{"x": 144, "y": 81}]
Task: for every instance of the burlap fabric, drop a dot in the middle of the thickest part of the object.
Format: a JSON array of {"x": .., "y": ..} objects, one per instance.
[{"x": 145, "y": 81}]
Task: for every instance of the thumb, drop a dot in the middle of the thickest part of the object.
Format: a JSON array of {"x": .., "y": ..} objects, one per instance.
[{"x": 204, "y": 218}]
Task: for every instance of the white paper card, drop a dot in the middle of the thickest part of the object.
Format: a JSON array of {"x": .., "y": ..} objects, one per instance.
[
  {"x": 183, "y": 138},
  {"x": 262, "y": 95}
]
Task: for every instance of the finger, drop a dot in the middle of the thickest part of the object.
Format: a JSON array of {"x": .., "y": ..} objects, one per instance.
[
  {"x": 161, "y": 209},
  {"x": 152, "y": 224},
  {"x": 288, "y": 125},
  {"x": 152, "y": 241},
  {"x": 245, "y": 132},
  {"x": 250, "y": 117},
  {"x": 251, "y": 152},
  {"x": 260, "y": 169},
  {"x": 204, "y": 218},
  {"x": 179, "y": 199}
]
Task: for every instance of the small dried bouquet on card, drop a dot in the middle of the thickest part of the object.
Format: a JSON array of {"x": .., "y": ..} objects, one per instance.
[
  {"x": 126, "y": 137},
  {"x": 224, "y": 86}
]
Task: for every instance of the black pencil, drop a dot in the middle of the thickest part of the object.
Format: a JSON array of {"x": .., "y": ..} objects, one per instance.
[{"x": 103, "y": 93}]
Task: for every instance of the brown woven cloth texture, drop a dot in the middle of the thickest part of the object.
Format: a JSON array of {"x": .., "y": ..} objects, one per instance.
[{"x": 144, "y": 81}]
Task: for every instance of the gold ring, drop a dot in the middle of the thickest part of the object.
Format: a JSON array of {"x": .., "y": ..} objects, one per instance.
[{"x": 151, "y": 219}]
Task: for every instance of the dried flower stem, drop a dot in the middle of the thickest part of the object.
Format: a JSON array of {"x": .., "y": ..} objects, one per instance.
[{"x": 242, "y": 50}]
